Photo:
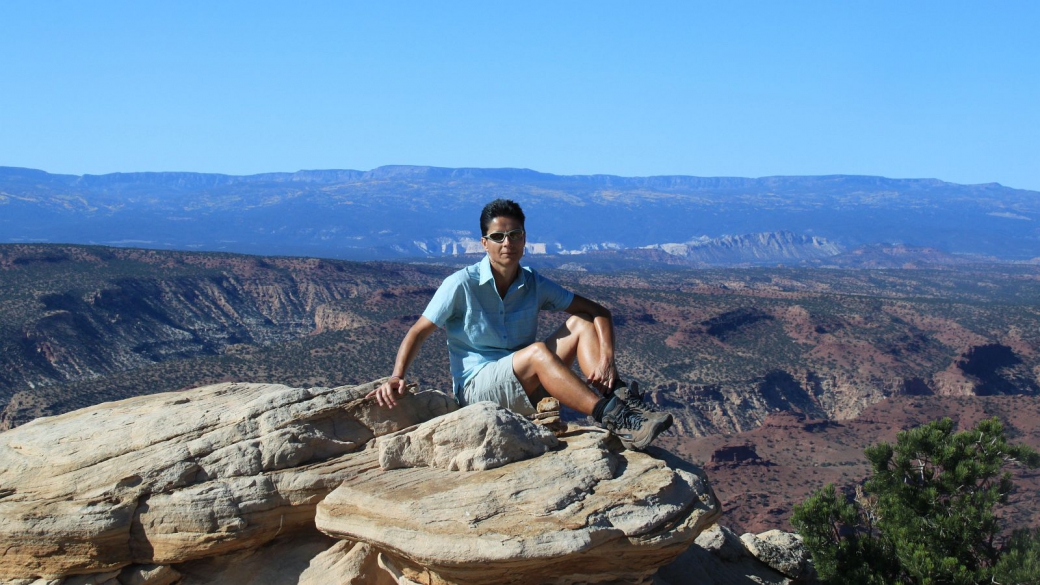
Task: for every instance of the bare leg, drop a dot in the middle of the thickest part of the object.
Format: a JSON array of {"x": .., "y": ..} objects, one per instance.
[
  {"x": 577, "y": 338},
  {"x": 536, "y": 366},
  {"x": 547, "y": 365}
]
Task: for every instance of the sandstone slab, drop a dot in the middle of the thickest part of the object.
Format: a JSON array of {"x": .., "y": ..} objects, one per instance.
[
  {"x": 587, "y": 511},
  {"x": 148, "y": 575},
  {"x": 347, "y": 563},
  {"x": 282, "y": 561},
  {"x": 167, "y": 478},
  {"x": 783, "y": 551},
  {"x": 718, "y": 557},
  {"x": 478, "y": 437}
]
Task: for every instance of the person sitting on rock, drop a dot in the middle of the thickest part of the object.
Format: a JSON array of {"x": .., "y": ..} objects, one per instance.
[{"x": 490, "y": 313}]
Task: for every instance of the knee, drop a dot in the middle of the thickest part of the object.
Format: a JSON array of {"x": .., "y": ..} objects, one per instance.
[
  {"x": 539, "y": 350},
  {"x": 582, "y": 326},
  {"x": 580, "y": 323},
  {"x": 538, "y": 353}
]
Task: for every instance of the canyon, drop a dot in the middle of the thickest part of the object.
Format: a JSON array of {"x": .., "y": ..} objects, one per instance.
[{"x": 854, "y": 355}]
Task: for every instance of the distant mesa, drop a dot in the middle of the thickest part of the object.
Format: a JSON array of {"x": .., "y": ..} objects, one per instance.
[
  {"x": 765, "y": 247},
  {"x": 786, "y": 420},
  {"x": 606, "y": 219},
  {"x": 904, "y": 256}
]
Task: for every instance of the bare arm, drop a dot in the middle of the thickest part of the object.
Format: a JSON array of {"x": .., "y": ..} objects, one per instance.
[
  {"x": 604, "y": 375},
  {"x": 406, "y": 353}
]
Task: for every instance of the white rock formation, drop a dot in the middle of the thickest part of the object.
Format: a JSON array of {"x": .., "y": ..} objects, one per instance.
[
  {"x": 587, "y": 512},
  {"x": 718, "y": 557},
  {"x": 479, "y": 437},
  {"x": 221, "y": 485},
  {"x": 780, "y": 550},
  {"x": 171, "y": 477}
]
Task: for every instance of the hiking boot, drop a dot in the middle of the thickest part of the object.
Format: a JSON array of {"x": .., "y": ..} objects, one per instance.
[
  {"x": 634, "y": 398},
  {"x": 629, "y": 393},
  {"x": 636, "y": 427}
]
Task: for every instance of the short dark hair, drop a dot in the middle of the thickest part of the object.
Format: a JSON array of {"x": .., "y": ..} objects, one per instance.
[{"x": 500, "y": 208}]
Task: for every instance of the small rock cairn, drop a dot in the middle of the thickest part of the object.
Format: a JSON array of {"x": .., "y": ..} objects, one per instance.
[{"x": 548, "y": 416}]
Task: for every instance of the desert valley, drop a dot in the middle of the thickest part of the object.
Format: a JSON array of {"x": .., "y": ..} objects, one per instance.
[
  {"x": 778, "y": 377},
  {"x": 815, "y": 226}
]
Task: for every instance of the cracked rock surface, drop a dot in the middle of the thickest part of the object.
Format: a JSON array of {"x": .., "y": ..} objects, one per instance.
[
  {"x": 167, "y": 478},
  {"x": 230, "y": 484},
  {"x": 588, "y": 511},
  {"x": 478, "y": 437}
]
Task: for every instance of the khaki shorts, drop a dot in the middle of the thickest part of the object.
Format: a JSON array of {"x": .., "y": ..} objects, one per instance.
[{"x": 496, "y": 382}]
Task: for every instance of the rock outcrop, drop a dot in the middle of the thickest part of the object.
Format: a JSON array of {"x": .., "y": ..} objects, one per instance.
[
  {"x": 231, "y": 484},
  {"x": 169, "y": 478},
  {"x": 479, "y": 437},
  {"x": 590, "y": 512},
  {"x": 756, "y": 248},
  {"x": 719, "y": 557},
  {"x": 780, "y": 550}
]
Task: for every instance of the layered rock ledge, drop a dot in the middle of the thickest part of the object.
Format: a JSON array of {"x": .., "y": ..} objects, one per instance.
[
  {"x": 589, "y": 512},
  {"x": 168, "y": 478},
  {"x": 258, "y": 484}
]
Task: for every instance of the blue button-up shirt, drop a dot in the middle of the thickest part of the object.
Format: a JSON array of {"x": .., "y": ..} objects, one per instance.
[{"x": 483, "y": 327}]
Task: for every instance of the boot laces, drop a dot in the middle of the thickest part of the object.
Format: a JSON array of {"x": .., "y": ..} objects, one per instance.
[
  {"x": 648, "y": 406},
  {"x": 637, "y": 399},
  {"x": 629, "y": 418}
]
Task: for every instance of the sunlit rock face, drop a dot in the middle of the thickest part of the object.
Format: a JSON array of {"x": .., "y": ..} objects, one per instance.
[
  {"x": 586, "y": 511},
  {"x": 172, "y": 477},
  {"x": 248, "y": 484}
]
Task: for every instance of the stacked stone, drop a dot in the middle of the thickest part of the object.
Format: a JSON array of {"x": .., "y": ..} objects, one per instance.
[{"x": 548, "y": 416}]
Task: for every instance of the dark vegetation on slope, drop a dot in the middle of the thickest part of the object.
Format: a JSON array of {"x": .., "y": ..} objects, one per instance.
[
  {"x": 849, "y": 356},
  {"x": 723, "y": 347},
  {"x": 759, "y": 475},
  {"x": 926, "y": 514}
]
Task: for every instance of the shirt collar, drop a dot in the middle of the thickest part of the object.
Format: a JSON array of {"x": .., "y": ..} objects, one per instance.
[{"x": 485, "y": 272}]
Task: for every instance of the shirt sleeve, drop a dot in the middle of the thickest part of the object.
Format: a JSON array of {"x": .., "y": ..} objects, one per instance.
[
  {"x": 442, "y": 306},
  {"x": 551, "y": 296}
]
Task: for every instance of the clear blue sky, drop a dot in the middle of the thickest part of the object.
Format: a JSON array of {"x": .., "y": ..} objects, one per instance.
[{"x": 901, "y": 89}]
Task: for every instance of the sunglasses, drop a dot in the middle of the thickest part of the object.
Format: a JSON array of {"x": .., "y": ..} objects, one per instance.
[{"x": 499, "y": 237}]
